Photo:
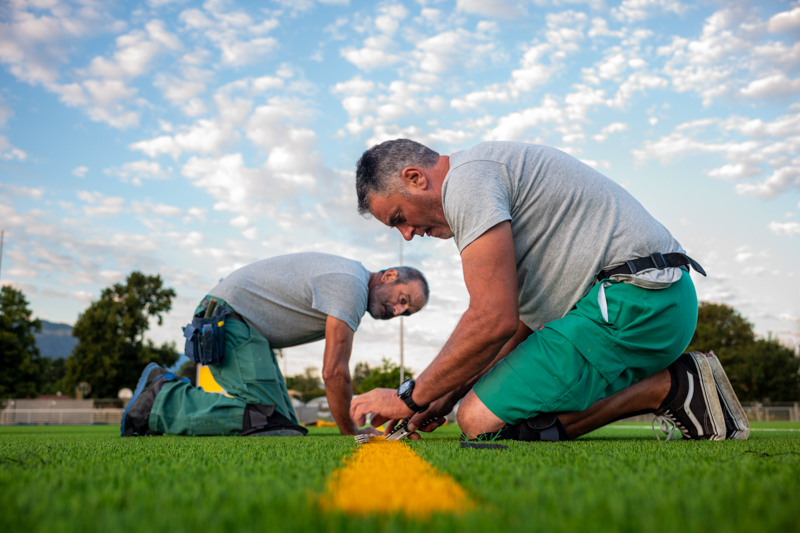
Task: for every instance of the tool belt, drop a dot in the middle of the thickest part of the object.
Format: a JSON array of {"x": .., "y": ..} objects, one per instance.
[
  {"x": 205, "y": 336},
  {"x": 656, "y": 260}
]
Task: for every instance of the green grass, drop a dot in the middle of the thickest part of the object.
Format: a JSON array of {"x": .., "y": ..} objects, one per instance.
[{"x": 87, "y": 479}]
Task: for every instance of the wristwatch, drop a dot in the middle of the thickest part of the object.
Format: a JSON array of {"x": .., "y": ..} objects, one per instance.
[{"x": 404, "y": 393}]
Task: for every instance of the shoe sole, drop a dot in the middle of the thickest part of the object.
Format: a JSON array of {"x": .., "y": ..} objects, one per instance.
[
  {"x": 708, "y": 389},
  {"x": 727, "y": 396},
  {"x": 139, "y": 388}
]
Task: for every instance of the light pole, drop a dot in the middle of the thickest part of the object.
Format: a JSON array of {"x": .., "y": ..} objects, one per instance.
[
  {"x": 3, "y": 234},
  {"x": 402, "y": 355}
]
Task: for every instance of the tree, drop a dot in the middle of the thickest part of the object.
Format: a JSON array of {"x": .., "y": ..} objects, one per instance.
[
  {"x": 387, "y": 376},
  {"x": 759, "y": 369},
  {"x": 111, "y": 351},
  {"x": 308, "y": 384},
  {"x": 20, "y": 361},
  {"x": 52, "y": 377}
]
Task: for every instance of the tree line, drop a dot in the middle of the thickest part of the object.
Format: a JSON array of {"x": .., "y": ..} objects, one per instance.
[{"x": 112, "y": 349}]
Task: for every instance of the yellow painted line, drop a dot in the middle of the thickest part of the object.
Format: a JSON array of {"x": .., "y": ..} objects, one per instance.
[{"x": 385, "y": 477}]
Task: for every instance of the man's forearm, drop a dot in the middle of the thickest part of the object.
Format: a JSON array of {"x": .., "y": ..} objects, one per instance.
[
  {"x": 473, "y": 345},
  {"x": 339, "y": 392},
  {"x": 460, "y": 391}
]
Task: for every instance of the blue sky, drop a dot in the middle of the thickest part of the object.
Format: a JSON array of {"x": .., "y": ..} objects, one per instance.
[{"x": 188, "y": 139}]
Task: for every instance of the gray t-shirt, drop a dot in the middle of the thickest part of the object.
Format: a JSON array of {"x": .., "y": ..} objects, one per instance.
[
  {"x": 568, "y": 222},
  {"x": 288, "y": 298}
]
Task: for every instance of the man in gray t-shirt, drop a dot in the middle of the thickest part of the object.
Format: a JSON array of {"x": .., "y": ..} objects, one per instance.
[
  {"x": 542, "y": 340},
  {"x": 275, "y": 303}
]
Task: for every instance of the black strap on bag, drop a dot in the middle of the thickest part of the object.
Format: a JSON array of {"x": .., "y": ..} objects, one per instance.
[
  {"x": 205, "y": 336},
  {"x": 656, "y": 260}
]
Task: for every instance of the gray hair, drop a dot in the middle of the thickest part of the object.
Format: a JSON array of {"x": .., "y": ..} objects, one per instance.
[
  {"x": 406, "y": 275},
  {"x": 379, "y": 169}
]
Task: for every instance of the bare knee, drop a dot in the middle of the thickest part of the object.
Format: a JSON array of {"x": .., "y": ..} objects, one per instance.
[{"x": 474, "y": 418}]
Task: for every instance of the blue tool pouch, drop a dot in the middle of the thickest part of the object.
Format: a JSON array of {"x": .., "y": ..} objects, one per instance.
[{"x": 205, "y": 337}]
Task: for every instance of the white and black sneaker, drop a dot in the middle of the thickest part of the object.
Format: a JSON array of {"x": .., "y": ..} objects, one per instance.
[
  {"x": 692, "y": 405},
  {"x": 737, "y": 426}
]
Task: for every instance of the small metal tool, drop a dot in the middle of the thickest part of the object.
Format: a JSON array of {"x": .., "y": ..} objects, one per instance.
[{"x": 402, "y": 431}]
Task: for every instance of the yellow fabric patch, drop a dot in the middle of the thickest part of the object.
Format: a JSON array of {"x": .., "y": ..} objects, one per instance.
[{"x": 415, "y": 488}]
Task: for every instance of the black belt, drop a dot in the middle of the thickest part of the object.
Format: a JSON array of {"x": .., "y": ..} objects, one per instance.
[{"x": 656, "y": 260}]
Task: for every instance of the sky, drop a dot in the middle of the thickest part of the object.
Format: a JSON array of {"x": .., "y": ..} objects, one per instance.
[{"x": 188, "y": 139}]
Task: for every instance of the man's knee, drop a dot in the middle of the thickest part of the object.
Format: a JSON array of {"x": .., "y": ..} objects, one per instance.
[{"x": 474, "y": 418}]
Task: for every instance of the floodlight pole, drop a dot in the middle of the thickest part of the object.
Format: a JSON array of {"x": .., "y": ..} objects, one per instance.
[
  {"x": 402, "y": 355},
  {"x": 2, "y": 236}
]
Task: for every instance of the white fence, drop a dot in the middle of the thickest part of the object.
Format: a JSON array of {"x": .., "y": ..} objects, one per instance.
[
  {"x": 756, "y": 412},
  {"x": 60, "y": 416}
]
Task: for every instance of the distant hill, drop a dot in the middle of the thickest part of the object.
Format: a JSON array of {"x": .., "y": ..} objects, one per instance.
[{"x": 56, "y": 340}]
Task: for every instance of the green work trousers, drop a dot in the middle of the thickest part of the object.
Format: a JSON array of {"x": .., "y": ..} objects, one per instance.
[{"x": 249, "y": 373}]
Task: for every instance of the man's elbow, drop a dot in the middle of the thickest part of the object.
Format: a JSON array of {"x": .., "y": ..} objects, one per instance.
[
  {"x": 502, "y": 326},
  {"x": 335, "y": 374}
]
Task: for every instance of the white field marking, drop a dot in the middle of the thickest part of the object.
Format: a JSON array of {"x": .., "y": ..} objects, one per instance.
[{"x": 648, "y": 427}]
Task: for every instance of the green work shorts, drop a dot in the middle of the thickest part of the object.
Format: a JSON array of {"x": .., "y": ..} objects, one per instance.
[{"x": 572, "y": 362}]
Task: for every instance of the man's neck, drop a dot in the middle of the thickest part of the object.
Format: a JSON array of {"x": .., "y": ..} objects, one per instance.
[
  {"x": 439, "y": 172},
  {"x": 374, "y": 280}
]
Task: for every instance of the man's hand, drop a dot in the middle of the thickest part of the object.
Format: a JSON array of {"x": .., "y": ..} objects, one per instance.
[
  {"x": 382, "y": 403},
  {"x": 438, "y": 409},
  {"x": 372, "y": 432}
]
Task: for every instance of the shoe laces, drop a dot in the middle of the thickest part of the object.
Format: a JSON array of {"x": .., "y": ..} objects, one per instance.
[{"x": 668, "y": 424}]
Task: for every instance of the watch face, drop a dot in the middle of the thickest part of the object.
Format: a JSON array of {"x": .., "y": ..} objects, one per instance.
[{"x": 404, "y": 388}]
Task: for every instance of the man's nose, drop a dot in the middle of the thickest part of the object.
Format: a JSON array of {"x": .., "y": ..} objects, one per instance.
[{"x": 406, "y": 231}]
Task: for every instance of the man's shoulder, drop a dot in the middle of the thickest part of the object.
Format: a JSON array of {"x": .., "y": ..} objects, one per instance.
[{"x": 494, "y": 151}]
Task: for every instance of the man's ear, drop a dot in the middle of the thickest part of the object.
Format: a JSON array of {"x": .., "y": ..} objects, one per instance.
[
  {"x": 414, "y": 178},
  {"x": 389, "y": 276}
]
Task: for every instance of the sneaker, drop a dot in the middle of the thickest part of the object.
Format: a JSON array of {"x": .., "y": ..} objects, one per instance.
[
  {"x": 136, "y": 417},
  {"x": 737, "y": 426},
  {"x": 694, "y": 408}
]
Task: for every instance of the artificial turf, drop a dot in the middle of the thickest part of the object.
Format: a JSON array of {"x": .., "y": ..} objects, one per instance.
[{"x": 55, "y": 479}]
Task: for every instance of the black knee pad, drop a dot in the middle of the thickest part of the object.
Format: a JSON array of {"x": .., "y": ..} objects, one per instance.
[
  {"x": 543, "y": 427},
  {"x": 262, "y": 419}
]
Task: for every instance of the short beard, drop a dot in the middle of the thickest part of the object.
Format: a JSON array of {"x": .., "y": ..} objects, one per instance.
[{"x": 374, "y": 306}]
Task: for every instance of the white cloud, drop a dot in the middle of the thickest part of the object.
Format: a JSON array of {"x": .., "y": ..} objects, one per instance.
[
  {"x": 240, "y": 222},
  {"x": 9, "y": 189},
  {"x": 515, "y": 126},
  {"x": 607, "y": 130},
  {"x": 205, "y": 136},
  {"x": 772, "y": 86},
  {"x": 80, "y": 171},
  {"x": 239, "y": 38},
  {"x": 100, "y": 205},
  {"x": 784, "y": 21},
  {"x": 639, "y": 10},
  {"x": 474, "y": 99},
  {"x": 251, "y": 234},
  {"x": 502, "y": 9},
  {"x": 784, "y": 228},
  {"x": 135, "y": 171},
  {"x": 145, "y": 208}
]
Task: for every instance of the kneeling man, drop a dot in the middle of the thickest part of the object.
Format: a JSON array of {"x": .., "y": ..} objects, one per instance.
[
  {"x": 580, "y": 301},
  {"x": 275, "y": 303}
]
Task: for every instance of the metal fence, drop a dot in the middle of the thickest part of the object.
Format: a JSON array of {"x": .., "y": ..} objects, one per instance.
[
  {"x": 756, "y": 412},
  {"x": 60, "y": 416}
]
